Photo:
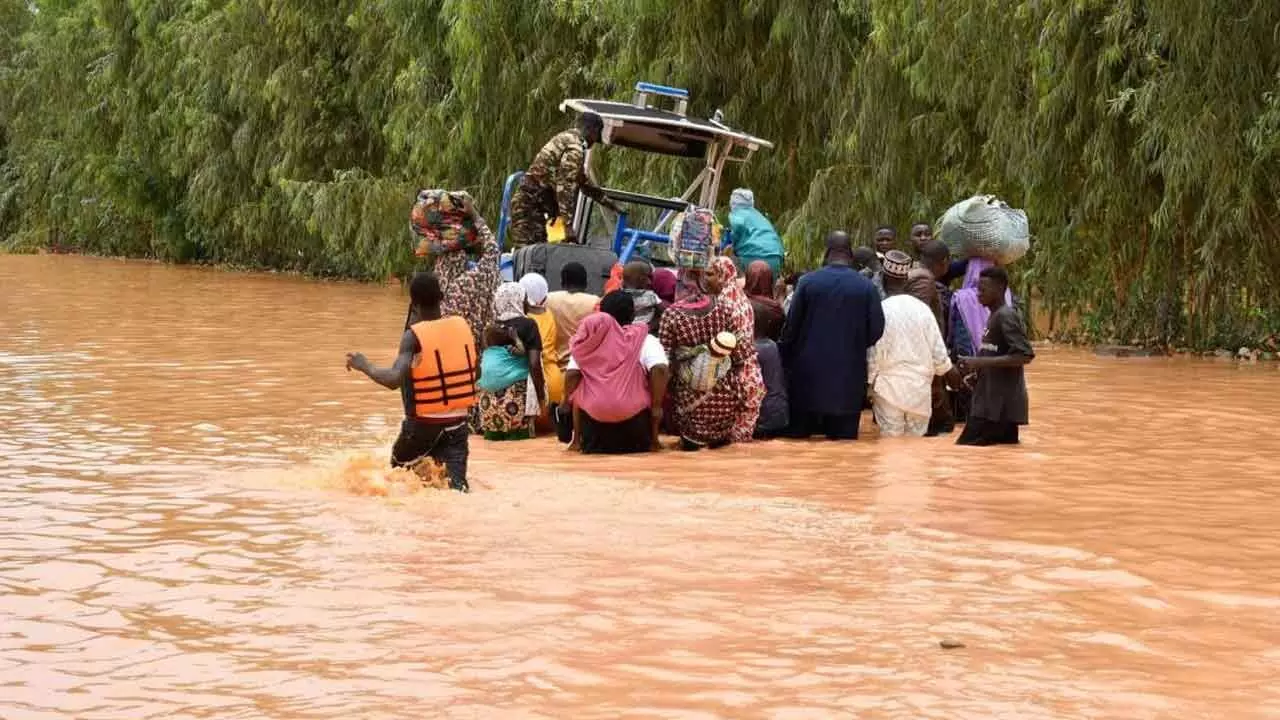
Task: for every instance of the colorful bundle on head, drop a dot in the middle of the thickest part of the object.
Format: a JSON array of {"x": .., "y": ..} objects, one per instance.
[
  {"x": 443, "y": 222},
  {"x": 695, "y": 235}
]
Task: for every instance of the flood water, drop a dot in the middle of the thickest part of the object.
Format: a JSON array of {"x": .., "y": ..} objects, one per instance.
[{"x": 181, "y": 537}]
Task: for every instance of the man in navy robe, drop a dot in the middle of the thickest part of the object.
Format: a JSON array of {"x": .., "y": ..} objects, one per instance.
[{"x": 835, "y": 317}]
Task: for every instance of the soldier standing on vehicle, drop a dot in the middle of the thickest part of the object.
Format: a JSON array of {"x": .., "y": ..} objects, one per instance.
[{"x": 550, "y": 186}]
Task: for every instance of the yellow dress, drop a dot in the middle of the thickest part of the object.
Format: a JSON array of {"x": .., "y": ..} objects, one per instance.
[{"x": 551, "y": 375}]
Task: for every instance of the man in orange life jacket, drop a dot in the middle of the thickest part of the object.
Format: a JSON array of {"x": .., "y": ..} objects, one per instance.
[{"x": 435, "y": 372}]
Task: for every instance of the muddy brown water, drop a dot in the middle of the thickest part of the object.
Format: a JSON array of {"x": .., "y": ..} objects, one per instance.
[{"x": 181, "y": 536}]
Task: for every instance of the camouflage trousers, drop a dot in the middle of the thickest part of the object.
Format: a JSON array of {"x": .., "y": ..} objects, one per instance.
[{"x": 528, "y": 219}]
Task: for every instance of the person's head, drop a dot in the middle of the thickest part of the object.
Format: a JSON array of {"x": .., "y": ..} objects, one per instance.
[
  {"x": 637, "y": 275},
  {"x": 722, "y": 344},
  {"x": 935, "y": 256},
  {"x": 921, "y": 233},
  {"x": 721, "y": 274},
  {"x": 865, "y": 260},
  {"x": 664, "y": 284},
  {"x": 535, "y": 290},
  {"x": 759, "y": 279},
  {"x": 425, "y": 294},
  {"x": 496, "y": 335},
  {"x": 896, "y": 268},
  {"x": 885, "y": 238},
  {"x": 592, "y": 127},
  {"x": 839, "y": 249},
  {"x": 619, "y": 305},
  {"x": 508, "y": 301},
  {"x": 741, "y": 198},
  {"x": 992, "y": 285},
  {"x": 573, "y": 277}
]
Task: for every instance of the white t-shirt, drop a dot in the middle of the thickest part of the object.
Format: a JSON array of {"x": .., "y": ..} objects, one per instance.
[{"x": 652, "y": 354}]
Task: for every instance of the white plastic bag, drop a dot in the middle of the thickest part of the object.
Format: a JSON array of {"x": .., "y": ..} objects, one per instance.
[{"x": 985, "y": 226}]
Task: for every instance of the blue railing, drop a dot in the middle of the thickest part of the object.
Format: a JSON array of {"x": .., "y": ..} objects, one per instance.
[{"x": 504, "y": 217}]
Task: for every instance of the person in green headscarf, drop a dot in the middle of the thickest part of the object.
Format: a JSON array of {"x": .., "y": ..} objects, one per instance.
[{"x": 753, "y": 235}]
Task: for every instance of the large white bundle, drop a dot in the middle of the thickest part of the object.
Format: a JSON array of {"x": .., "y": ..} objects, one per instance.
[{"x": 985, "y": 226}]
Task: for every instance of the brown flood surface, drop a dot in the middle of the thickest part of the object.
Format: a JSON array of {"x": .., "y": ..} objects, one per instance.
[{"x": 179, "y": 538}]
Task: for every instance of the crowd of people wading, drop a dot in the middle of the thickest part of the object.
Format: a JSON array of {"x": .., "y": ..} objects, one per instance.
[{"x": 716, "y": 350}]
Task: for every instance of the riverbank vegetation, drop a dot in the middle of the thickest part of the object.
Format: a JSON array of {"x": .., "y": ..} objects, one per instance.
[{"x": 1142, "y": 136}]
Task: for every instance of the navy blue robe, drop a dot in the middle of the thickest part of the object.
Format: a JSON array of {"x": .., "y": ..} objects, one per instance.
[{"x": 835, "y": 316}]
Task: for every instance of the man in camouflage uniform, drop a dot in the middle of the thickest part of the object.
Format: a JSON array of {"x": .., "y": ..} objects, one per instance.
[{"x": 550, "y": 186}]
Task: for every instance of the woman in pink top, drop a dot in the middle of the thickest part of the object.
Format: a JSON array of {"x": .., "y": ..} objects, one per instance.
[{"x": 616, "y": 380}]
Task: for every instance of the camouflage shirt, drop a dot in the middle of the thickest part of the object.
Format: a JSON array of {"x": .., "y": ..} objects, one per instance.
[{"x": 560, "y": 165}]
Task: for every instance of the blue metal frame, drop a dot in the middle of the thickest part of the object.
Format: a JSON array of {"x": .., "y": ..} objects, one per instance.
[
  {"x": 626, "y": 238},
  {"x": 664, "y": 90},
  {"x": 619, "y": 235},
  {"x": 504, "y": 215}
]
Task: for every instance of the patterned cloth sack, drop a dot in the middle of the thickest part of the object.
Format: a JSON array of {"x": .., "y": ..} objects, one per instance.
[
  {"x": 984, "y": 226},
  {"x": 443, "y": 222},
  {"x": 703, "y": 366},
  {"x": 695, "y": 235}
]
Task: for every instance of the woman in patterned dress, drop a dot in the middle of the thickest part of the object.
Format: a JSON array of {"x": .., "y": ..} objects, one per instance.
[
  {"x": 468, "y": 291},
  {"x": 724, "y": 275},
  {"x": 702, "y": 419}
]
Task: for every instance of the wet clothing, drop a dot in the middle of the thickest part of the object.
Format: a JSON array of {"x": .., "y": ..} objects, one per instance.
[
  {"x": 774, "y": 415},
  {"x": 834, "y": 427},
  {"x": 968, "y": 315},
  {"x": 437, "y": 396},
  {"x": 646, "y": 304},
  {"x": 664, "y": 284},
  {"x": 835, "y": 317},
  {"x": 750, "y": 381},
  {"x": 754, "y": 237},
  {"x": 442, "y": 379},
  {"x": 469, "y": 291},
  {"x": 921, "y": 286},
  {"x": 895, "y": 422},
  {"x": 1000, "y": 395},
  {"x": 569, "y": 308},
  {"x": 502, "y": 413},
  {"x": 768, "y": 312},
  {"x": 985, "y": 432},
  {"x": 705, "y": 418},
  {"x": 614, "y": 396},
  {"x": 633, "y": 435},
  {"x": 552, "y": 376},
  {"x": 549, "y": 188},
  {"x": 615, "y": 382},
  {"x": 910, "y": 353},
  {"x": 443, "y": 440},
  {"x": 500, "y": 368}
]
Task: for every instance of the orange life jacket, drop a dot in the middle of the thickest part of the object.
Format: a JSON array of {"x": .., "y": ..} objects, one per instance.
[{"x": 444, "y": 372}]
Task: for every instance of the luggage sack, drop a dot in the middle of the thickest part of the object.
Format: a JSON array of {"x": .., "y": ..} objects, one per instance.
[
  {"x": 442, "y": 222},
  {"x": 548, "y": 260},
  {"x": 985, "y": 226},
  {"x": 695, "y": 237}
]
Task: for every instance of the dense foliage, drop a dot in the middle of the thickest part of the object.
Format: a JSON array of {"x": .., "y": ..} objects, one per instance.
[{"x": 1143, "y": 136}]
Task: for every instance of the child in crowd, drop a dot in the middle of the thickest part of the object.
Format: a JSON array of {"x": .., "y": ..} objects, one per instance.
[
  {"x": 503, "y": 363},
  {"x": 711, "y": 361},
  {"x": 999, "y": 403}
]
